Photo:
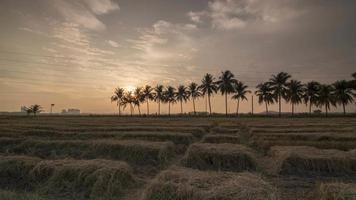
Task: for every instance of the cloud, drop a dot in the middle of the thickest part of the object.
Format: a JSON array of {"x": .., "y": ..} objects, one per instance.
[
  {"x": 100, "y": 7},
  {"x": 236, "y": 14},
  {"x": 112, "y": 43}
]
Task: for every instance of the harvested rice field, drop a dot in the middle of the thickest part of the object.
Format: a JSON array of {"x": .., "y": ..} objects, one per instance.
[{"x": 178, "y": 158}]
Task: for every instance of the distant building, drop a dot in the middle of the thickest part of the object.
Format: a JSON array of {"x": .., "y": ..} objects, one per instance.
[{"x": 71, "y": 111}]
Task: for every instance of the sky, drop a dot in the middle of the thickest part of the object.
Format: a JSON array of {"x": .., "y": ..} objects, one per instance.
[{"x": 73, "y": 53}]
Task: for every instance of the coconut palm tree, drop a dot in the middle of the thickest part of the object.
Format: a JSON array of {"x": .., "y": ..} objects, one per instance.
[
  {"x": 343, "y": 94},
  {"x": 226, "y": 85},
  {"x": 148, "y": 95},
  {"x": 170, "y": 97},
  {"x": 294, "y": 93},
  {"x": 353, "y": 82},
  {"x": 118, "y": 95},
  {"x": 278, "y": 84},
  {"x": 240, "y": 92},
  {"x": 182, "y": 95},
  {"x": 264, "y": 94},
  {"x": 208, "y": 87},
  {"x": 158, "y": 96},
  {"x": 194, "y": 93},
  {"x": 310, "y": 95},
  {"x": 128, "y": 99},
  {"x": 138, "y": 98},
  {"x": 325, "y": 97}
]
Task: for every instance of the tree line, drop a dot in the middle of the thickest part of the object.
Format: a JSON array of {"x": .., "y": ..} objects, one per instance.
[{"x": 279, "y": 87}]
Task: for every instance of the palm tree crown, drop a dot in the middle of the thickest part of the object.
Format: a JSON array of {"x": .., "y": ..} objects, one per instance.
[
  {"x": 294, "y": 93},
  {"x": 208, "y": 87},
  {"x": 240, "y": 92},
  {"x": 226, "y": 85},
  {"x": 343, "y": 93},
  {"x": 278, "y": 84}
]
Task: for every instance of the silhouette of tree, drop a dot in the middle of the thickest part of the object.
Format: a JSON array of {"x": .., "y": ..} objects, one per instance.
[
  {"x": 158, "y": 96},
  {"x": 343, "y": 94},
  {"x": 208, "y": 87},
  {"x": 194, "y": 93},
  {"x": 310, "y": 94},
  {"x": 148, "y": 95},
  {"x": 294, "y": 93},
  {"x": 35, "y": 109},
  {"x": 138, "y": 98},
  {"x": 182, "y": 95},
  {"x": 118, "y": 95},
  {"x": 325, "y": 97},
  {"x": 278, "y": 84},
  {"x": 226, "y": 85},
  {"x": 128, "y": 99},
  {"x": 264, "y": 94},
  {"x": 240, "y": 91},
  {"x": 170, "y": 97}
]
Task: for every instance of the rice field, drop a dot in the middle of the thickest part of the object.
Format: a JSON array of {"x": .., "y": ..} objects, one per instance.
[{"x": 110, "y": 157}]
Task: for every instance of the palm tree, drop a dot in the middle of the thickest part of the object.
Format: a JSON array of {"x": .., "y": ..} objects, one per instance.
[
  {"x": 194, "y": 93},
  {"x": 208, "y": 87},
  {"x": 138, "y": 98},
  {"x": 226, "y": 85},
  {"x": 325, "y": 97},
  {"x": 353, "y": 82},
  {"x": 240, "y": 94},
  {"x": 158, "y": 96},
  {"x": 278, "y": 84},
  {"x": 35, "y": 109},
  {"x": 148, "y": 95},
  {"x": 294, "y": 93},
  {"x": 182, "y": 95},
  {"x": 264, "y": 94},
  {"x": 343, "y": 93},
  {"x": 118, "y": 95},
  {"x": 170, "y": 97},
  {"x": 128, "y": 99},
  {"x": 310, "y": 95}
]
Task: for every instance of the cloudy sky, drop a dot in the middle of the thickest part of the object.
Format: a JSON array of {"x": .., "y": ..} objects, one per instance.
[{"x": 75, "y": 52}]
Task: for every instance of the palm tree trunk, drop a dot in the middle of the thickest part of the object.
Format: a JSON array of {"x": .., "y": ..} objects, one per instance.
[
  {"x": 310, "y": 107},
  {"x": 292, "y": 109},
  {"x": 209, "y": 103},
  {"x": 148, "y": 108},
  {"x": 131, "y": 109},
  {"x": 266, "y": 108},
  {"x": 225, "y": 103},
  {"x": 280, "y": 105},
  {"x": 181, "y": 107},
  {"x": 326, "y": 110},
  {"x": 159, "y": 107},
  {"x": 343, "y": 106},
  {"x": 169, "y": 108},
  {"x": 139, "y": 110},
  {"x": 194, "y": 106},
  {"x": 237, "y": 109}
]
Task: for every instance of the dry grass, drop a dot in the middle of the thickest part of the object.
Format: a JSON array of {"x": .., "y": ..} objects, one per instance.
[
  {"x": 336, "y": 191},
  {"x": 184, "y": 184},
  {"x": 306, "y": 161},
  {"x": 16, "y": 195},
  {"x": 67, "y": 179},
  {"x": 133, "y": 151},
  {"x": 228, "y": 157},
  {"x": 225, "y": 130},
  {"x": 223, "y": 138}
]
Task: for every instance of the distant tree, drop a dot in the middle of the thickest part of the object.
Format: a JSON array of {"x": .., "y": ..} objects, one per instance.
[
  {"x": 28, "y": 110},
  {"x": 148, "y": 95},
  {"x": 194, "y": 93},
  {"x": 208, "y": 87},
  {"x": 310, "y": 94},
  {"x": 118, "y": 95},
  {"x": 226, "y": 85},
  {"x": 182, "y": 95},
  {"x": 294, "y": 93},
  {"x": 128, "y": 99},
  {"x": 170, "y": 97},
  {"x": 343, "y": 93},
  {"x": 264, "y": 94},
  {"x": 325, "y": 97},
  {"x": 158, "y": 96},
  {"x": 35, "y": 109},
  {"x": 240, "y": 92},
  {"x": 138, "y": 98},
  {"x": 278, "y": 84}
]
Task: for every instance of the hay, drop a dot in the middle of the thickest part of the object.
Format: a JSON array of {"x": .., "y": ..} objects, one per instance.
[
  {"x": 234, "y": 139},
  {"x": 176, "y": 138},
  {"x": 133, "y": 151},
  {"x": 336, "y": 191},
  {"x": 227, "y": 157},
  {"x": 309, "y": 161},
  {"x": 67, "y": 179},
  {"x": 225, "y": 130},
  {"x": 16, "y": 195},
  {"x": 183, "y": 184}
]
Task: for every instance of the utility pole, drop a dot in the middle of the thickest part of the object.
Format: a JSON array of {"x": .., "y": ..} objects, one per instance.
[
  {"x": 252, "y": 105},
  {"x": 52, "y": 107}
]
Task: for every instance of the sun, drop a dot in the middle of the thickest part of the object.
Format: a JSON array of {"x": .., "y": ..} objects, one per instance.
[{"x": 130, "y": 88}]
